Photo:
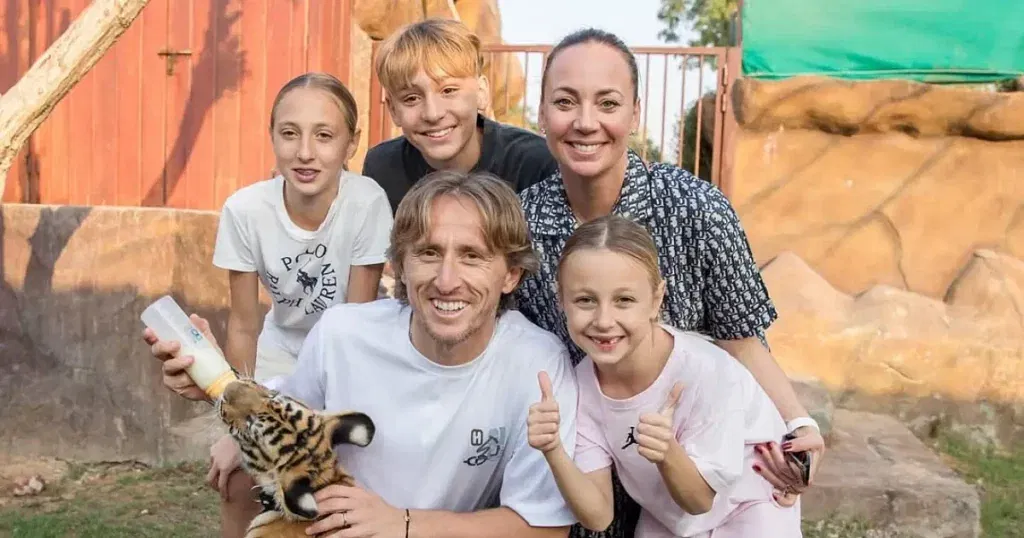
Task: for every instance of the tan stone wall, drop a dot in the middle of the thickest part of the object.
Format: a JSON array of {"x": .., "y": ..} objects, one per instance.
[
  {"x": 890, "y": 217},
  {"x": 879, "y": 182},
  {"x": 77, "y": 380}
]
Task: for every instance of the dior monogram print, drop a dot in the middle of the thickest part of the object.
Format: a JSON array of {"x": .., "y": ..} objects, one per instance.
[{"x": 713, "y": 285}]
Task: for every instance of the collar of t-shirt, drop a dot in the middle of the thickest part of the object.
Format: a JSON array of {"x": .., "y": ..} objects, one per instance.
[
  {"x": 416, "y": 166},
  {"x": 634, "y": 202}
]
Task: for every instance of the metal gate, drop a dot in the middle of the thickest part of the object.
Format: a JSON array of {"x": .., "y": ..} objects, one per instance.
[{"x": 685, "y": 115}]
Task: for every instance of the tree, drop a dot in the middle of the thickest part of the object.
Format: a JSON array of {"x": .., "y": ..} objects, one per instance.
[
  {"x": 31, "y": 99},
  {"x": 712, "y": 20}
]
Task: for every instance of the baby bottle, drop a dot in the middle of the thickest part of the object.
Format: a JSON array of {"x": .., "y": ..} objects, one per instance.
[{"x": 210, "y": 371}]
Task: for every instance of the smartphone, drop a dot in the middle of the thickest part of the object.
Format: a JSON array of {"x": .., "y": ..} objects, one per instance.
[{"x": 801, "y": 459}]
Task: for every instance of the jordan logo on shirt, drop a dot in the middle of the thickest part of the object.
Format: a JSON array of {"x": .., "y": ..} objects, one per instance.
[
  {"x": 630, "y": 440},
  {"x": 309, "y": 269}
]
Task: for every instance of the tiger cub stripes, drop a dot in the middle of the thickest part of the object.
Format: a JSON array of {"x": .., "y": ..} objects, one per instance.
[{"x": 288, "y": 449}]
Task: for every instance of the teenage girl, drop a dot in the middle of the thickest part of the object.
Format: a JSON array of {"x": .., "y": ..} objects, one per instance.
[
  {"x": 674, "y": 414},
  {"x": 314, "y": 235}
]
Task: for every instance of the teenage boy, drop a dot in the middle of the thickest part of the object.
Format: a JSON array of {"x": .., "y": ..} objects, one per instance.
[{"x": 432, "y": 75}]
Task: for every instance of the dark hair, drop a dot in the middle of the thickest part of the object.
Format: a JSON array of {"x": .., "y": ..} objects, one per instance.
[
  {"x": 593, "y": 35},
  {"x": 328, "y": 83}
]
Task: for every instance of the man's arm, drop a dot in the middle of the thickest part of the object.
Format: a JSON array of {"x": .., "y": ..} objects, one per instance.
[
  {"x": 491, "y": 523},
  {"x": 369, "y": 515}
]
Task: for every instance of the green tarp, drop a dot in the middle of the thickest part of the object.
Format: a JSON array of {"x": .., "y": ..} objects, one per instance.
[{"x": 927, "y": 40}]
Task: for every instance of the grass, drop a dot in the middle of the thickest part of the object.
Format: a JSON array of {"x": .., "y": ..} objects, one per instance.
[
  {"x": 160, "y": 502},
  {"x": 1000, "y": 478},
  {"x": 120, "y": 502}
]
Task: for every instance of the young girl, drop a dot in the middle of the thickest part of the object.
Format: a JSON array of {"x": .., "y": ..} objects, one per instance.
[
  {"x": 314, "y": 235},
  {"x": 676, "y": 416}
]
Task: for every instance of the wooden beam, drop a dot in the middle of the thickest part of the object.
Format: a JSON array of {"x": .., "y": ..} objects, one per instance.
[{"x": 30, "y": 101}]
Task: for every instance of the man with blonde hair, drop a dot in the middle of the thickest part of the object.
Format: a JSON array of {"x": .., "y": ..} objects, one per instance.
[
  {"x": 432, "y": 75},
  {"x": 445, "y": 370}
]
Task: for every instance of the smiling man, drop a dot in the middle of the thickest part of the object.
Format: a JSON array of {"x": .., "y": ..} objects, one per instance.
[
  {"x": 432, "y": 75},
  {"x": 445, "y": 370}
]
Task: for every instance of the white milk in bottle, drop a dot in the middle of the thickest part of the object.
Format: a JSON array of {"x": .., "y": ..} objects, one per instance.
[{"x": 210, "y": 371}]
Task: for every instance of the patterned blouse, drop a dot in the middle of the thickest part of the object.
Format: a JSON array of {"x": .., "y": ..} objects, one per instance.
[
  {"x": 712, "y": 286},
  {"x": 712, "y": 283}
]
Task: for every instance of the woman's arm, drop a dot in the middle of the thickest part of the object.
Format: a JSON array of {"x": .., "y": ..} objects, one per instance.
[
  {"x": 244, "y": 321},
  {"x": 363, "y": 283}
]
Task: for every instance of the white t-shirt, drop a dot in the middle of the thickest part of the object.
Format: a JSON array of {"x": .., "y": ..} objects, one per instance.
[
  {"x": 304, "y": 271},
  {"x": 447, "y": 437},
  {"x": 722, "y": 413}
]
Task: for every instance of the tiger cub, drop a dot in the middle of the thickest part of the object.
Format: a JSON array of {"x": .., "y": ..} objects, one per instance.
[{"x": 287, "y": 448}]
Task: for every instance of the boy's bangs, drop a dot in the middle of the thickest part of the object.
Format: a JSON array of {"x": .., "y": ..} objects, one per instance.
[{"x": 436, "y": 60}]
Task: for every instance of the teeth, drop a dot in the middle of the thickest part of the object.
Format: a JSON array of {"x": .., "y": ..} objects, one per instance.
[
  {"x": 586, "y": 148},
  {"x": 449, "y": 306},
  {"x": 439, "y": 134}
]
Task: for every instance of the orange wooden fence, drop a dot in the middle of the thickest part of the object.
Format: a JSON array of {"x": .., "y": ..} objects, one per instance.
[{"x": 176, "y": 112}]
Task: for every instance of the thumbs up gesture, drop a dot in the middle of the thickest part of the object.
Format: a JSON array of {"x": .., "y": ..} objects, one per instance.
[
  {"x": 654, "y": 433},
  {"x": 542, "y": 422}
]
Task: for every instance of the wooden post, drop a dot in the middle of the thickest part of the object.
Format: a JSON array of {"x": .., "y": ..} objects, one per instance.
[
  {"x": 30, "y": 101},
  {"x": 730, "y": 128}
]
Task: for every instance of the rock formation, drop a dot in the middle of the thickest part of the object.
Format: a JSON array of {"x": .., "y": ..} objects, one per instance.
[{"x": 894, "y": 183}]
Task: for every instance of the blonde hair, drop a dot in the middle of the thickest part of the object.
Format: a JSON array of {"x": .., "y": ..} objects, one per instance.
[
  {"x": 441, "y": 47},
  {"x": 503, "y": 222},
  {"x": 617, "y": 234},
  {"x": 328, "y": 83}
]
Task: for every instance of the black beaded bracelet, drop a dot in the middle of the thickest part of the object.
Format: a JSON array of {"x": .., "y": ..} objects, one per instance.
[{"x": 407, "y": 523}]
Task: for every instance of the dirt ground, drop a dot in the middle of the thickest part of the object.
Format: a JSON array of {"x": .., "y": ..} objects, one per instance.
[
  {"x": 124, "y": 500},
  {"x": 107, "y": 501}
]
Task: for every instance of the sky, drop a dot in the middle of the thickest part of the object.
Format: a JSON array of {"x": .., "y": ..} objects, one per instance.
[
  {"x": 545, "y": 21},
  {"x": 539, "y": 22}
]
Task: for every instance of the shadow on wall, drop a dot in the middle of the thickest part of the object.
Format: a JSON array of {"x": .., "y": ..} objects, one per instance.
[
  {"x": 221, "y": 61},
  {"x": 78, "y": 380}
]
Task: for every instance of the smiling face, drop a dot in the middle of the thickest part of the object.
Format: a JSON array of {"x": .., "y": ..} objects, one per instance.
[
  {"x": 311, "y": 141},
  {"x": 609, "y": 302},
  {"x": 438, "y": 117},
  {"x": 589, "y": 108},
  {"x": 454, "y": 280}
]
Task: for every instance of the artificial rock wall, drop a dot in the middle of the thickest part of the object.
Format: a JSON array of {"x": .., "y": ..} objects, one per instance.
[{"x": 889, "y": 217}]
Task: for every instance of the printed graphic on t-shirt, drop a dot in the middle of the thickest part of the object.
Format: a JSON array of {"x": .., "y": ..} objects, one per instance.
[
  {"x": 630, "y": 439},
  {"x": 317, "y": 281},
  {"x": 485, "y": 449}
]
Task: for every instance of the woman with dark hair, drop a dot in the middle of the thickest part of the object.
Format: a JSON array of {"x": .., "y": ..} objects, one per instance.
[{"x": 589, "y": 106}]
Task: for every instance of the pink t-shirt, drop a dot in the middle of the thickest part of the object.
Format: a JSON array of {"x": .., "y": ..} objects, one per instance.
[{"x": 721, "y": 414}]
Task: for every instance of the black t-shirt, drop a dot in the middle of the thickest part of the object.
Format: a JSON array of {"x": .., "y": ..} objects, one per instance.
[{"x": 516, "y": 155}]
